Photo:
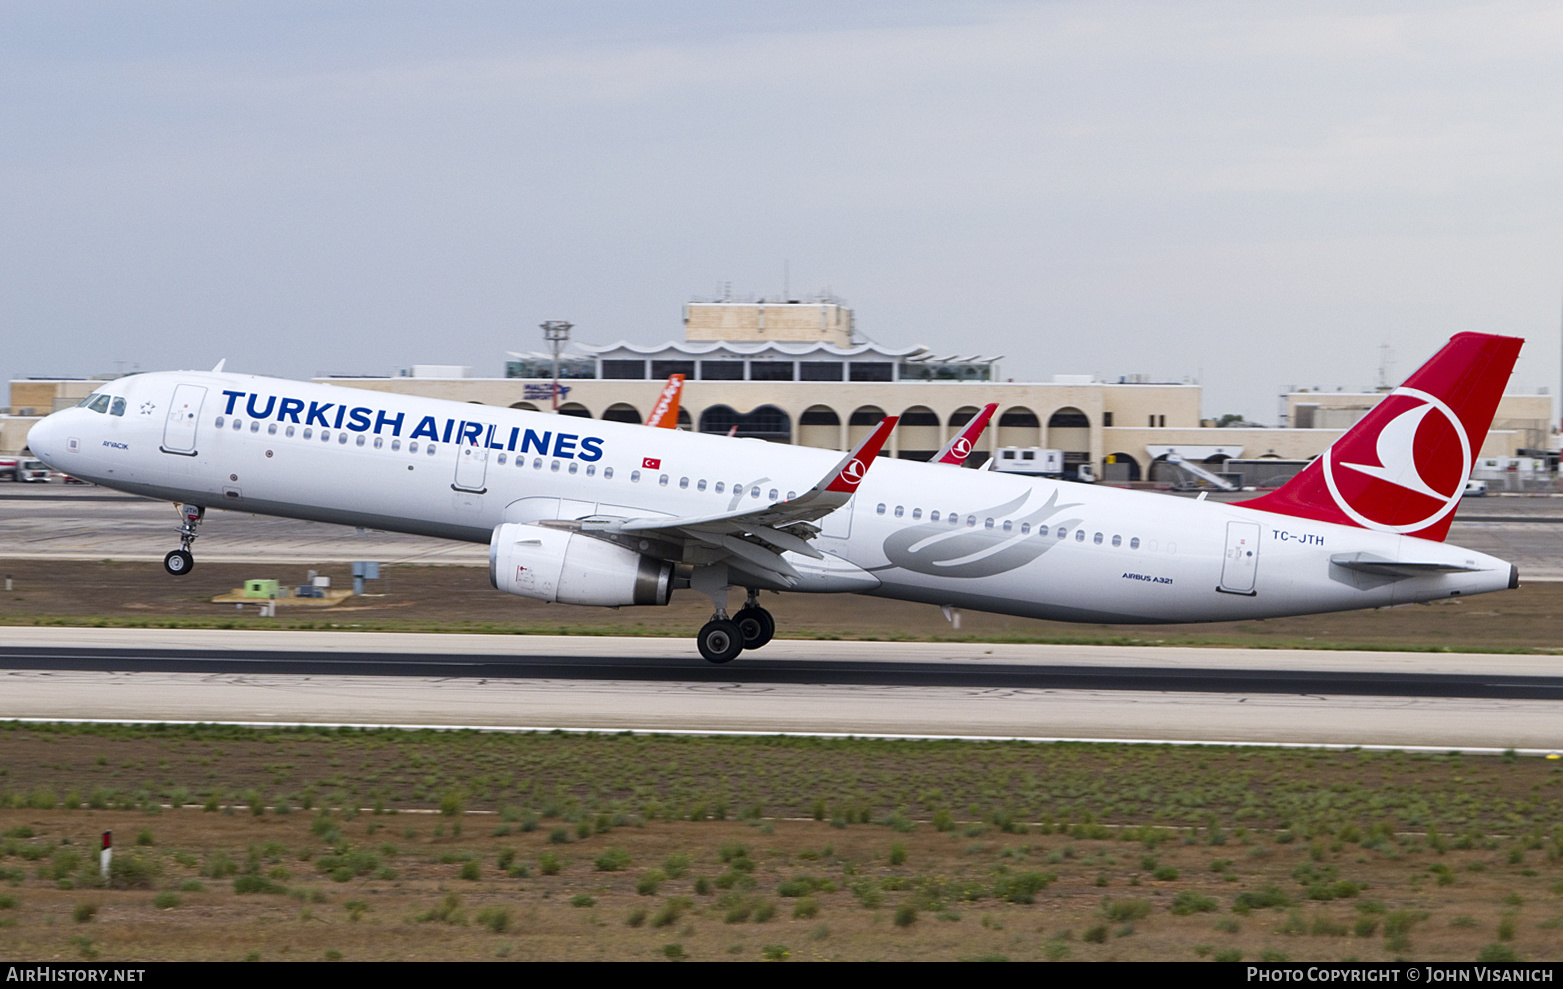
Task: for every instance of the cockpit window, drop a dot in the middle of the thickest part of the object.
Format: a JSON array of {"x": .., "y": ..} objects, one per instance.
[
  {"x": 99, "y": 403},
  {"x": 118, "y": 408}
]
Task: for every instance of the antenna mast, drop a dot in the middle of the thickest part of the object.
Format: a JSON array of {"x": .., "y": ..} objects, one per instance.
[{"x": 556, "y": 332}]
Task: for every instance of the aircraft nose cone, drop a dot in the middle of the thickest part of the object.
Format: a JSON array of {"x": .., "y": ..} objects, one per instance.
[{"x": 43, "y": 438}]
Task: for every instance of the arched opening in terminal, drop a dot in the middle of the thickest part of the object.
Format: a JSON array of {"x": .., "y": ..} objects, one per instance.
[
  {"x": 918, "y": 433},
  {"x": 524, "y": 406},
  {"x": 820, "y": 426},
  {"x": 765, "y": 423},
  {"x": 962, "y": 416},
  {"x": 862, "y": 422},
  {"x": 574, "y": 409},
  {"x": 623, "y": 412},
  {"x": 684, "y": 422},
  {"x": 1120, "y": 468},
  {"x": 1019, "y": 426}
]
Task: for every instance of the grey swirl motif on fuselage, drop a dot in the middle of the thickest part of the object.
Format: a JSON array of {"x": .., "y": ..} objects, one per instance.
[{"x": 974, "y": 551}]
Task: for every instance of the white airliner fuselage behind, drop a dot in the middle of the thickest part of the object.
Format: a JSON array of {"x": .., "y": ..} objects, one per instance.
[{"x": 912, "y": 531}]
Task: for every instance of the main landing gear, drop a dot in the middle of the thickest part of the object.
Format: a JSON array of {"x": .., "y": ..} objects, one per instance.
[
  {"x": 181, "y": 561},
  {"x": 721, "y": 639}
]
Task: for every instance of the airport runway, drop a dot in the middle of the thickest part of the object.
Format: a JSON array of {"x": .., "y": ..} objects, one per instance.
[
  {"x": 88, "y": 523},
  {"x": 919, "y": 689}
]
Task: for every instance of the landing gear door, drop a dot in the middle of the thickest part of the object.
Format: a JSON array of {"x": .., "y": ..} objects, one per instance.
[
  {"x": 184, "y": 412},
  {"x": 471, "y": 469},
  {"x": 1241, "y": 563}
]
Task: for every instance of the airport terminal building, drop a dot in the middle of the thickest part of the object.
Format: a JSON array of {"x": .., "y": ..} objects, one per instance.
[{"x": 795, "y": 372}]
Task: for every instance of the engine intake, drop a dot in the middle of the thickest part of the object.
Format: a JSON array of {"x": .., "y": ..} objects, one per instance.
[{"x": 554, "y": 565}]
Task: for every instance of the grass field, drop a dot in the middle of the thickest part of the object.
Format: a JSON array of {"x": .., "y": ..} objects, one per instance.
[
  {"x": 235, "y": 843},
  {"x": 459, "y": 599}
]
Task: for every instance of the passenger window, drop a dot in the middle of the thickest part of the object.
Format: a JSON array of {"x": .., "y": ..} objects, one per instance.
[
  {"x": 917, "y": 513},
  {"x": 429, "y": 449},
  {"x": 1097, "y": 539},
  {"x": 342, "y": 438},
  {"x": 1008, "y": 525},
  {"x": 289, "y": 432},
  {"x": 411, "y": 447},
  {"x": 773, "y": 494},
  {"x": 219, "y": 422},
  {"x": 1134, "y": 543},
  {"x": 537, "y": 463},
  {"x": 700, "y": 485},
  {"x": 634, "y": 477},
  {"x": 683, "y": 483},
  {"x": 591, "y": 470},
  {"x": 791, "y": 495},
  {"x": 987, "y": 523},
  {"x": 379, "y": 441},
  {"x": 271, "y": 429},
  {"x": 899, "y": 511},
  {"x": 573, "y": 465},
  {"x": 325, "y": 435},
  {"x": 359, "y": 441},
  {"x": 754, "y": 492},
  {"x": 662, "y": 481},
  {"x": 971, "y": 521},
  {"x": 1025, "y": 528},
  {"x": 955, "y": 518},
  {"x": 395, "y": 444},
  {"x": 1079, "y": 535},
  {"x": 933, "y": 516},
  {"x": 719, "y": 486},
  {"x": 1117, "y": 540},
  {"x": 118, "y": 408},
  {"x": 880, "y": 510},
  {"x": 309, "y": 434},
  {"x": 501, "y": 456},
  {"x": 238, "y": 424},
  {"x": 554, "y": 466},
  {"x": 1062, "y": 532},
  {"x": 607, "y": 473},
  {"x": 254, "y": 425},
  {"x": 1041, "y": 530}
]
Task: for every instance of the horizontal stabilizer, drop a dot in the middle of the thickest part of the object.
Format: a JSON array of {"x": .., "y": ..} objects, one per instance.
[{"x": 1369, "y": 563}]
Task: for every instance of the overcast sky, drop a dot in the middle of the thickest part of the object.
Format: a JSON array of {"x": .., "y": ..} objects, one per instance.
[{"x": 1257, "y": 195}]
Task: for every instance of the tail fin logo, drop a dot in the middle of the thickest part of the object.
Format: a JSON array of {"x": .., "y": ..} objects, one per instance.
[
  {"x": 962, "y": 447},
  {"x": 852, "y": 473},
  {"x": 1418, "y": 477}
]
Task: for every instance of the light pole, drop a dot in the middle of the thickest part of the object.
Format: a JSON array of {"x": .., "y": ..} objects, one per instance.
[{"x": 557, "y": 333}]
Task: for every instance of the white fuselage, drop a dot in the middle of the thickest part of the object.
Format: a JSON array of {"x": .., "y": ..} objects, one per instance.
[{"x": 1016, "y": 545}]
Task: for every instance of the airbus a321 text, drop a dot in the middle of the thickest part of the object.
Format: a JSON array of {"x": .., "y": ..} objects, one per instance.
[{"x": 591, "y": 512}]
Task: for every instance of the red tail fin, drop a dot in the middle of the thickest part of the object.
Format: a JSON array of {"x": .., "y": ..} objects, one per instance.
[{"x": 1403, "y": 467}]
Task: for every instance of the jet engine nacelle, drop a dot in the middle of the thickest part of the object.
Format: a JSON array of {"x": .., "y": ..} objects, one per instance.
[{"x": 556, "y": 565}]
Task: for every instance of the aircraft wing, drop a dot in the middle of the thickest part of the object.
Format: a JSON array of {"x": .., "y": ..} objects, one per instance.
[
  {"x": 758, "y": 536},
  {"x": 964, "y": 442}
]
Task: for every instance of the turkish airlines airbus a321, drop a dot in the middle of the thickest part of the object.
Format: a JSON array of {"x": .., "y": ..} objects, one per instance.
[{"x": 589, "y": 512}]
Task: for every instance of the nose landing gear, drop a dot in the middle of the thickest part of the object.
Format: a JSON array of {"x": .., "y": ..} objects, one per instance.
[{"x": 181, "y": 561}]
